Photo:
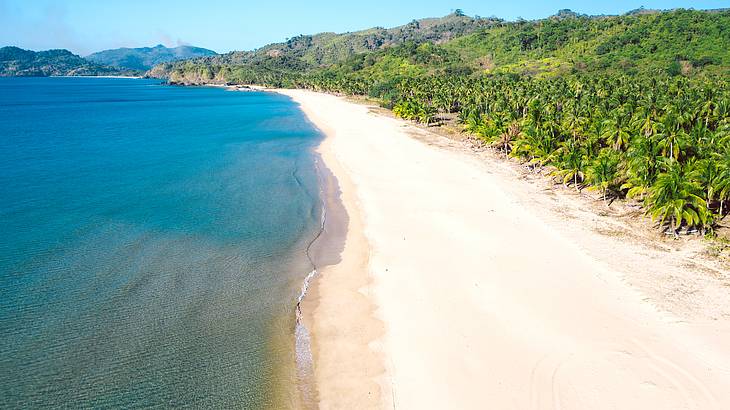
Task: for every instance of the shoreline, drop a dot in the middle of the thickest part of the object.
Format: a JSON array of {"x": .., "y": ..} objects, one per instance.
[
  {"x": 341, "y": 257},
  {"x": 129, "y": 77},
  {"x": 436, "y": 315},
  {"x": 323, "y": 250}
]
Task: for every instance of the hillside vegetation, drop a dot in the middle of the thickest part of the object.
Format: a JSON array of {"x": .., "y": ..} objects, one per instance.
[
  {"x": 681, "y": 42},
  {"x": 634, "y": 106},
  {"x": 310, "y": 53},
  {"x": 643, "y": 42}
]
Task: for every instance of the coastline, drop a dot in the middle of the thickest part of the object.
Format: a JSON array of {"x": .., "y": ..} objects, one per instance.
[
  {"x": 334, "y": 309},
  {"x": 129, "y": 77},
  {"x": 433, "y": 303}
]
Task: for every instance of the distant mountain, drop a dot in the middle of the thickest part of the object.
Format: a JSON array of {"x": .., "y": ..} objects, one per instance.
[
  {"x": 146, "y": 57},
  {"x": 16, "y": 62}
]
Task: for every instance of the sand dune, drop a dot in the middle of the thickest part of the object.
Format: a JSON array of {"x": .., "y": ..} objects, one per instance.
[{"x": 456, "y": 291}]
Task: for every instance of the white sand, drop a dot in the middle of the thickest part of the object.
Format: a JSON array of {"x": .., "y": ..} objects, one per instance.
[{"x": 485, "y": 300}]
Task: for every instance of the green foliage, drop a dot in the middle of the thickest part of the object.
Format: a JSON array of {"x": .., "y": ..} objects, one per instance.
[
  {"x": 678, "y": 42},
  {"x": 674, "y": 68},
  {"x": 415, "y": 110},
  {"x": 603, "y": 172},
  {"x": 571, "y": 163},
  {"x": 677, "y": 200},
  {"x": 310, "y": 54}
]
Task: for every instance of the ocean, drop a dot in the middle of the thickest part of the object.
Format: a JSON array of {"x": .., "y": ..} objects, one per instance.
[{"x": 153, "y": 244}]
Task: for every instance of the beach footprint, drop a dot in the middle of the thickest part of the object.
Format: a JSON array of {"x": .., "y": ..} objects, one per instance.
[{"x": 624, "y": 378}]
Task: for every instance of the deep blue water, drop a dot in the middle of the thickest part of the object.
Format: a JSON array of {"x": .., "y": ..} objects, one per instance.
[{"x": 152, "y": 243}]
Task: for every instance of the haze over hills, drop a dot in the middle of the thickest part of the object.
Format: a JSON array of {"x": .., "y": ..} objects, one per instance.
[
  {"x": 144, "y": 58},
  {"x": 641, "y": 41},
  {"x": 15, "y": 61}
]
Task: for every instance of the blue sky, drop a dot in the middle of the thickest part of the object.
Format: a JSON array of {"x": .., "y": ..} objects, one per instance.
[{"x": 85, "y": 26}]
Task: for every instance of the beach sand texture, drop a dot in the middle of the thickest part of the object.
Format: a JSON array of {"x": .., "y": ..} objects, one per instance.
[{"x": 455, "y": 289}]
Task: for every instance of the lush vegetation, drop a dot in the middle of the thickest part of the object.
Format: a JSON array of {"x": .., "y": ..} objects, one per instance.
[
  {"x": 278, "y": 63},
  {"x": 678, "y": 42},
  {"x": 681, "y": 42},
  {"x": 144, "y": 58},
  {"x": 17, "y": 62},
  {"x": 634, "y": 106}
]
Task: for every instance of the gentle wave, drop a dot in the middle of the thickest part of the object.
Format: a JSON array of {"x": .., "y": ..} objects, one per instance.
[{"x": 304, "y": 358}]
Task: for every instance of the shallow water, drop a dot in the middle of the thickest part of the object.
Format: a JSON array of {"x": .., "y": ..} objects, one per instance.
[{"x": 153, "y": 243}]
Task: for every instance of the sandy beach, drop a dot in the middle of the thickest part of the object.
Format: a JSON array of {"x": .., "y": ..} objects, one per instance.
[{"x": 463, "y": 285}]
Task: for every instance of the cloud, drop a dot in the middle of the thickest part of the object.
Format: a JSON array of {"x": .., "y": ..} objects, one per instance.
[{"x": 163, "y": 38}]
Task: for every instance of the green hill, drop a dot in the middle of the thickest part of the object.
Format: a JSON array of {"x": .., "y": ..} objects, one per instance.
[
  {"x": 15, "y": 61},
  {"x": 308, "y": 53},
  {"x": 684, "y": 42},
  {"x": 636, "y": 42},
  {"x": 144, "y": 58}
]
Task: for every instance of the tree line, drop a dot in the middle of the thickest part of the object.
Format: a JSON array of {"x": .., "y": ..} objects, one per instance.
[{"x": 663, "y": 142}]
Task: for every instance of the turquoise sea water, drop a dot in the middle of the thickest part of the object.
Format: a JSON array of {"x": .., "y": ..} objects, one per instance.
[{"x": 153, "y": 243}]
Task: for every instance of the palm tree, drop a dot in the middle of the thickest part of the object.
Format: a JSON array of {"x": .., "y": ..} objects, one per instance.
[
  {"x": 706, "y": 173},
  {"x": 616, "y": 132},
  {"x": 722, "y": 182},
  {"x": 603, "y": 172},
  {"x": 571, "y": 163},
  {"x": 507, "y": 137},
  {"x": 642, "y": 166},
  {"x": 671, "y": 134},
  {"x": 676, "y": 199}
]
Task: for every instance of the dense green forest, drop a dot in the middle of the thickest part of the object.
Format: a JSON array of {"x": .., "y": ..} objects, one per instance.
[{"x": 634, "y": 106}]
